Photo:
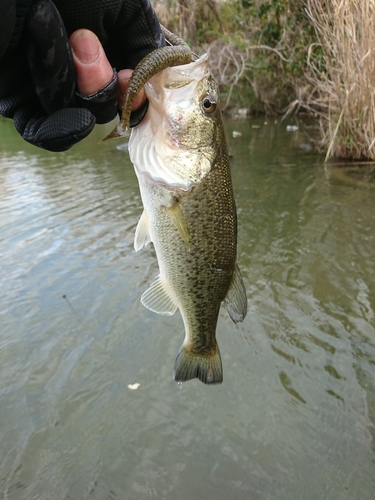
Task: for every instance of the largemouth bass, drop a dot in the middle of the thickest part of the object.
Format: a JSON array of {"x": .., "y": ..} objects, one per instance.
[{"x": 180, "y": 155}]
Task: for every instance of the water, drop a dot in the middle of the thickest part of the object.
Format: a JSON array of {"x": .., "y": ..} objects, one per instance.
[{"x": 88, "y": 407}]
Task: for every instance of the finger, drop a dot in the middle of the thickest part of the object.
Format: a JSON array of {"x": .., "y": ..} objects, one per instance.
[
  {"x": 56, "y": 132},
  {"x": 49, "y": 56},
  {"x": 123, "y": 81},
  {"x": 93, "y": 69},
  {"x": 96, "y": 80}
]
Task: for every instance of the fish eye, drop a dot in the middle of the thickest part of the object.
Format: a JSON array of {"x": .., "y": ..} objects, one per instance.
[{"x": 208, "y": 104}]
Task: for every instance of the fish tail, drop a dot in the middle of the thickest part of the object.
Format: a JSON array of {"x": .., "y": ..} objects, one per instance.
[{"x": 207, "y": 368}]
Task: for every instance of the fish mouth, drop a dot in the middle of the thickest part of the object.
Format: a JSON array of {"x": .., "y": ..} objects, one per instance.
[
  {"x": 193, "y": 69},
  {"x": 169, "y": 149},
  {"x": 176, "y": 77}
]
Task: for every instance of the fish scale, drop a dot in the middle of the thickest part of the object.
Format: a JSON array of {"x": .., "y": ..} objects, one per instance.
[{"x": 180, "y": 155}]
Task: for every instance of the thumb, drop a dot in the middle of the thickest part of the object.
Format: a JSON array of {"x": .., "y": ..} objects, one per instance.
[
  {"x": 92, "y": 66},
  {"x": 96, "y": 80}
]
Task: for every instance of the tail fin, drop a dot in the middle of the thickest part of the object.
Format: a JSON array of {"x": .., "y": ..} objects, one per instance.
[{"x": 189, "y": 365}]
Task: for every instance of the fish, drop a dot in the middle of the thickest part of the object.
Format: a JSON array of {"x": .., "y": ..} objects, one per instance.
[{"x": 180, "y": 156}]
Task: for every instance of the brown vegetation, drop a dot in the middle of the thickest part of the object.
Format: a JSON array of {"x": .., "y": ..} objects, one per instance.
[
  {"x": 316, "y": 54},
  {"x": 342, "y": 71},
  {"x": 252, "y": 46}
]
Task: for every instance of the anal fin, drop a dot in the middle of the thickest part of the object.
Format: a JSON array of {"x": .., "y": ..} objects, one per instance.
[
  {"x": 157, "y": 299},
  {"x": 236, "y": 301}
]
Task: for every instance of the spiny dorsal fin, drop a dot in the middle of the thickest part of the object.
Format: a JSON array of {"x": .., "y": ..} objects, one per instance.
[
  {"x": 142, "y": 233},
  {"x": 236, "y": 301},
  {"x": 157, "y": 299}
]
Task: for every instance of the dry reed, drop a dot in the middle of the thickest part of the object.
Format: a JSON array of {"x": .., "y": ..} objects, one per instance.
[{"x": 344, "y": 82}]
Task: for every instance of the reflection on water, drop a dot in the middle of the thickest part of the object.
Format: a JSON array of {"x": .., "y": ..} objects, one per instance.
[{"x": 295, "y": 415}]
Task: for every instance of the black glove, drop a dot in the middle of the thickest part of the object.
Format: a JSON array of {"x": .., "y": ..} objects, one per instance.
[{"x": 37, "y": 75}]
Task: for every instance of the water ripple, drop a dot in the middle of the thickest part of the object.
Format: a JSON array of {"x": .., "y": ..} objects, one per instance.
[{"x": 295, "y": 416}]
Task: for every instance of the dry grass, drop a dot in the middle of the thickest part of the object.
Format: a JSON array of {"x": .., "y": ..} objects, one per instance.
[
  {"x": 249, "y": 52},
  {"x": 344, "y": 81},
  {"x": 178, "y": 16},
  {"x": 230, "y": 65}
]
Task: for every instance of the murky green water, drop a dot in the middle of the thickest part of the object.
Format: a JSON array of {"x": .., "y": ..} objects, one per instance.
[{"x": 294, "y": 418}]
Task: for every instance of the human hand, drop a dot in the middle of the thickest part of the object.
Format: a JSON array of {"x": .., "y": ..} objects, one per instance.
[
  {"x": 93, "y": 70},
  {"x": 38, "y": 70}
]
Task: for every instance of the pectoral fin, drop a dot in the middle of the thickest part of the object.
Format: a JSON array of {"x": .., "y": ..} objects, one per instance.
[
  {"x": 180, "y": 222},
  {"x": 236, "y": 301},
  {"x": 142, "y": 233},
  {"x": 157, "y": 299}
]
